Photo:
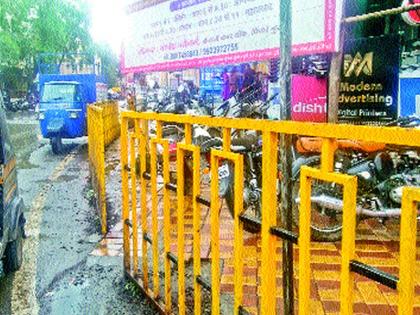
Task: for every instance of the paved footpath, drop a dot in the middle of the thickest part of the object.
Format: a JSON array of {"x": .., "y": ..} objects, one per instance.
[{"x": 377, "y": 245}]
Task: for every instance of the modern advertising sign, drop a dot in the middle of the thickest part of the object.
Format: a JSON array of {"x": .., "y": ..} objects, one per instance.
[
  {"x": 369, "y": 80},
  {"x": 309, "y": 98},
  {"x": 166, "y": 35}
]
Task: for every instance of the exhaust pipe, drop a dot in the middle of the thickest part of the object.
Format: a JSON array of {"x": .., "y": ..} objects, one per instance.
[{"x": 337, "y": 204}]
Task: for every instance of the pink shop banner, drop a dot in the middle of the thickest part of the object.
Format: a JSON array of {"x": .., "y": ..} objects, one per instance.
[{"x": 309, "y": 99}]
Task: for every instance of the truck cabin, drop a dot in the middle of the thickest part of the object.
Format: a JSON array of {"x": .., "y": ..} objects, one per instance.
[{"x": 61, "y": 95}]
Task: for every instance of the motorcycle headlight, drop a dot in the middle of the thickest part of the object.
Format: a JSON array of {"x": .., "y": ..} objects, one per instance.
[
  {"x": 41, "y": 115},
  {"x": 74, "y": 115}
]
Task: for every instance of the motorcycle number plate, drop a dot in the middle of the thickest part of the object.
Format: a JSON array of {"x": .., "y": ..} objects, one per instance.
[{"x": 224, "y": 171}]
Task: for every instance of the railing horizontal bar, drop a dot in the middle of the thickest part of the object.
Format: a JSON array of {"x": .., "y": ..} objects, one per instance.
[
  {"x": 172, "y": 258},
  {"x": 284, "y": 234},
  {"x": 203, "y": 201},
  {"x": 147, "y": 176},
  {"x": 374, "y": 274},
  {"x": 147, "y": 238},
  {"x": 250, "y": 220},
  {"x": 389, "y": 135},
  {"x": 128, "y": 222},
  {"x": 204, "y": 283},
  {"x": 243, "y": 311},
  {"x": 138, "y": 284},
  {"x": 171, "y": 187}
]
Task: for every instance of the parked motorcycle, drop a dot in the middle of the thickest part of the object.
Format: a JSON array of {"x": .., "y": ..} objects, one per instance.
[
  {"x": 250, "y": 146},
  {"x": 382, "y": 172}
]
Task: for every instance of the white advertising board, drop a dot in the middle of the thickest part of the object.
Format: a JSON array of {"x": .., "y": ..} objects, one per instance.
[{"x": 164, "y": 35}]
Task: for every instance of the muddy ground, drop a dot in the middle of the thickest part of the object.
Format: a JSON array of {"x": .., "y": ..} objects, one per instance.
[{"x": 59, "y": 276}]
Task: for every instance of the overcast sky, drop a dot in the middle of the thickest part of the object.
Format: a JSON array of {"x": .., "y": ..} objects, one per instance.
[{"x": 108, "y": 22}]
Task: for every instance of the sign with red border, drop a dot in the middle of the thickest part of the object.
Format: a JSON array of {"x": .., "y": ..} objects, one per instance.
[{"x": 168, "y": 35}]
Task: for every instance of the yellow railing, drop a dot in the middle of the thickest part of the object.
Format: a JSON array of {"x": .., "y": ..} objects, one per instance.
[
  {"x": 136, "y": 143},
  {"x": 103, "y": 128}
]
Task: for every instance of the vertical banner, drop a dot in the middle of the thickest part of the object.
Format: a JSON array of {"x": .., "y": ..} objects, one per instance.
[
  {"x": 369, "y": 80},
  {"x": 309, "y": 99}
]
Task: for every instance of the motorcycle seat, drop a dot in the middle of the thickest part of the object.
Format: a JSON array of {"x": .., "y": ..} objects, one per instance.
[{"x": 314, "y": 145}]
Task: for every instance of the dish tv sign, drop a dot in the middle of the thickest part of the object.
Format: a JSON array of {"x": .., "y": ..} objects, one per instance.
[{"x": 309, "y": 99}]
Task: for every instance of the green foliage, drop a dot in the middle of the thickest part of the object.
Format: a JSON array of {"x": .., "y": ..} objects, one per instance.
[
  {"x": 110, "y": 63},
  {"x": 132, "y": 289},
  {"x": 30, "y": 27}
]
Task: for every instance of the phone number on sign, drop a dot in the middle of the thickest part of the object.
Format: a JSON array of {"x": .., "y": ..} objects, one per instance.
[
  {"x": 203, "y": 52},
  {"x": 220, "y": 49}
]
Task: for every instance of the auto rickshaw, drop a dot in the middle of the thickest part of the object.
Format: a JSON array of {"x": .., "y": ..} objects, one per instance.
[
  {"x": 12, "y": 220},
  {"x": 65, "y": 96}
]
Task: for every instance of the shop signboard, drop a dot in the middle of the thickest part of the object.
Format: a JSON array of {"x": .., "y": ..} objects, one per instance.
[
  {"x": 166, "y": 35},
  {"x": 309, "y": 98},
  {"x": 369, "y": 80}
]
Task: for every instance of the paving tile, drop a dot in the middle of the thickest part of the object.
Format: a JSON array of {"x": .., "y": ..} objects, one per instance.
[
  {"x": 376, "y": 244},
  {"x": 371, "y": 293}
]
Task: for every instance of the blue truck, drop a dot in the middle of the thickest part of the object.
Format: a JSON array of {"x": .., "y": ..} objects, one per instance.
[{"x": 64, "y": 98}]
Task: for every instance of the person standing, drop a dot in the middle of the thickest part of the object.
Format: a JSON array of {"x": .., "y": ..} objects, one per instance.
[
  {"x": 234, "y": 81},
  {"x": 225, "y": 85},
  {"x": 249, "y": 77}
]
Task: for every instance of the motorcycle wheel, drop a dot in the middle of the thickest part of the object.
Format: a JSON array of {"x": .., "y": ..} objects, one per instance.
[
  {"x": 56, "y": 145},
  {"x": 251, "y": 228},
  {"x": 326, "y": 225}
]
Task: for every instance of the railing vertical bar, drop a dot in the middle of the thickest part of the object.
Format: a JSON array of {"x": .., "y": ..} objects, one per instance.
[
  {"x": 327, "y": 157},
  {"x": 101, "y": 173},
  {"x": 188, "y": 134},
  {"x": 215, "y": 246},
  {"x": 239, "y": 234},
  {"x": 134, "y": 204},
  {"x": 180, "y": 222},
  {"x": 143, "y": 196},
  {"x": 196, "y": 230},
  {"x": 304, "y": 243},
  {"x": 408, "y": 234},
  {"x": 227, "y": 139},
  {"x": 155, "y": 248},
  {"x": 348, "y": 245},
  {"x": 158, "y": 129},
  {"x": 269, "y": 218},
  {"x": 125, "y": 195},
  {"x": 167, "y": 227}
]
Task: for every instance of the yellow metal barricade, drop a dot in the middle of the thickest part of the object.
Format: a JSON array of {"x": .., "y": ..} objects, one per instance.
[
  {"x": 136, "y": 144},
  {"x": 103, "y": 129}
]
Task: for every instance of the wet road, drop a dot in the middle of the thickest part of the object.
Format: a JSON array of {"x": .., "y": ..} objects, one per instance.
[{"x": 59, "y": 276}]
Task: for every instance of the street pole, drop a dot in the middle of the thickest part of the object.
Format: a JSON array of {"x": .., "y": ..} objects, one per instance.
[
  {"x": 285, "y": 149},
  {"x": 335, "y": 75}
]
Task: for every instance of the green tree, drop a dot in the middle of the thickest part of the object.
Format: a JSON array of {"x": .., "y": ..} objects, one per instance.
[{"x": 30, "y": 27}]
